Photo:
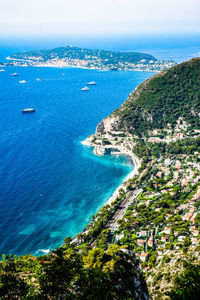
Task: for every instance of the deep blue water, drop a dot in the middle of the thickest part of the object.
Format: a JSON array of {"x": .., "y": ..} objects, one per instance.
[{"x": 50, "y": 184}]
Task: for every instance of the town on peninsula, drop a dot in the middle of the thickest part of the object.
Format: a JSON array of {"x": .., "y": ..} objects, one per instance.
[{"x": 92, "y": 59}]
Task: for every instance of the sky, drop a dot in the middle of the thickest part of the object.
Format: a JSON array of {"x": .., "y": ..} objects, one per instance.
[{"x": 98, "y": 17}]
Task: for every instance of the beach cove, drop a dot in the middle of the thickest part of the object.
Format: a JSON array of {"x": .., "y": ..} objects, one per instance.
[{"x": 118, "y": 151}]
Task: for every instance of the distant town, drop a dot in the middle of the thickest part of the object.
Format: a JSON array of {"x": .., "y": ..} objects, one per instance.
[{"x": 90, "y": 59}]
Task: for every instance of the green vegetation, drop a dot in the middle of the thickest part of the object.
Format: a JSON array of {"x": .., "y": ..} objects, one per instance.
[
  {"x": 187, "y": 284},
  {"x": 186, "y": 146},
  {"x": 112, "y": 57},
  {"x": 162, "y": 99},
  {"x": 68, "y": 274}
]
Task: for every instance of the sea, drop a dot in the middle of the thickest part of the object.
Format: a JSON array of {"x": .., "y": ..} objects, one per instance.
[{"x": 51, "y": 184}]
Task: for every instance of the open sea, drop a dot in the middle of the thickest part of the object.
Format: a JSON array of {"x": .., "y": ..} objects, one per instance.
[{"x": 50, "y": 184}]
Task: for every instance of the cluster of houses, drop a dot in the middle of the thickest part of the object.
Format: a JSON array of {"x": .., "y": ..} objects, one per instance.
[
  {"x": 179, "y": 169},
  {"x": 93, "y": 62},
  {"x": 187, "y": 212},
  {"x": 167, "y": 135}
]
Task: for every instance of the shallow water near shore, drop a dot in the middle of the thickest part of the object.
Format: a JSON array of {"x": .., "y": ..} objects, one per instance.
[{"x": 50, "y": 184}]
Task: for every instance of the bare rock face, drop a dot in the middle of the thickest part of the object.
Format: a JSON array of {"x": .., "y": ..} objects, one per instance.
[
  {"x": 107, "y": 125},
  {"x": 110, "y": 123},
  {"x": 100, "y": 128},
  {"x": 136, "y": 281}
]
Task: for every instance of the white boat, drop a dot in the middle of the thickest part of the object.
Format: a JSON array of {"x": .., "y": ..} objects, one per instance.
[
  {"x": 85, "y": 89},
  {"x": 2, "y": 70},
  {"x": 37, "y": 79},
  {"x": 91, "y": 83},
  {"x": 28, "y": 110},
  {"x": 14, "y": 74},
  {"x": 22, "y": 81}
]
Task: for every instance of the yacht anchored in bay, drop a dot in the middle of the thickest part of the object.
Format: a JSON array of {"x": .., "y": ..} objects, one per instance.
[
  {"x": 28, "y": 110},
  {"x": 91, "y": 83},
  {"x": 85, "y": 89},
  {"x": 14, "y": 74}
]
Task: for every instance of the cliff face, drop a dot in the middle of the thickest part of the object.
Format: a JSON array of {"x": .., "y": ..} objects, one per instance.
[{"x": 107, "y": 125}]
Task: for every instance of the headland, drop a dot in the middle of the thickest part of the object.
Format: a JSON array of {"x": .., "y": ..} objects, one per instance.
[{"x": 89, "y": 59}]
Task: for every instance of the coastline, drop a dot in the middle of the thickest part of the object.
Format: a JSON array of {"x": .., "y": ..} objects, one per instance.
[
  {"x": 123, "y": 152},
  {"x": 80, "y": 67}
]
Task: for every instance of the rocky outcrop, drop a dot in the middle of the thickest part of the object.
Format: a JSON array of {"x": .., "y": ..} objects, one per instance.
[
  {"x": 100, "y": 128},
  {"x": 108, "y": 124},
  {"x": 134, "y": 279}
]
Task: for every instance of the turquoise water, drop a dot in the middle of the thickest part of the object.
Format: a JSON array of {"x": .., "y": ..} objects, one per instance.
[{"x": 50, "y": 184}]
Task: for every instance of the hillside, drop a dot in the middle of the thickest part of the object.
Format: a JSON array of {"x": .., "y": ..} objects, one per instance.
[
  {"x": 73, "y": 273},
  {"x": 157, "y": 212},
  {"x": 81, "y": 53},
  {"x": 163, "y": 99}
]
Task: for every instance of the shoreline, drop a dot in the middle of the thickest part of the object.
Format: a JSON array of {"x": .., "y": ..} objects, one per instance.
[
  {"x": 80, "y": 67},
  {"x": 122, "y": 152}
]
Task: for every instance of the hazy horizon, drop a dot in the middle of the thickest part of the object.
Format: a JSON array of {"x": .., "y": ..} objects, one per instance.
[
  {"x": 139, "y": 40},
  {"x": 177, "y": 47},
  {"x": 106, "y": 17}
]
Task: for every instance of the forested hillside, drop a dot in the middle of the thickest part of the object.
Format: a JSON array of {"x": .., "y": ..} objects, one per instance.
[
  {"x": 163, "y": 99},
  {"x": 73, "y": 273}
]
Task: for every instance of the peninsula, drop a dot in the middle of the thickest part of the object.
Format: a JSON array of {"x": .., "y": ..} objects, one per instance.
[
  {"x": 92, "y": 59},
  {"x": 144, "y": 243}
]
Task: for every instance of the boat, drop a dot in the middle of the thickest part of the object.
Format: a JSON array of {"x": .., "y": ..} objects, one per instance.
[
  {"x": 37, "y": 79},
  {"x": 22, "y": 81},
  {"x": 28, "y": 110},
  {"x": 2, "y": 70},
  {"x": 85, "y": 89},
  {"x": 91, "y": 83},
  {"x": 14, "y": 74}
]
